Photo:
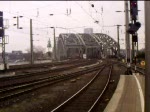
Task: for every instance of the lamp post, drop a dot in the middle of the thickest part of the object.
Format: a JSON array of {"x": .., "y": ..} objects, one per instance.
[{"x": 54, "y": 52}]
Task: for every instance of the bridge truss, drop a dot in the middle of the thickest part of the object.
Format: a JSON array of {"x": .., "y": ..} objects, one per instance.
[{"x": 81, "y": 45}]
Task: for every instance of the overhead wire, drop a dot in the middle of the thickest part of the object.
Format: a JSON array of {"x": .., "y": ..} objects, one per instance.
[
  {"x": 21, "y": 31},
  {"x": 94, "y": 8},
  {"x": 102, "y": 26},
  {"x": 85, "y": 10},
  {"x": 68, "y": 16},
  {"x": 38, "y": 7},
  {"x": 27, "y": 17},
  {"x": 32, "y": 23},
  {"x": 33, "y": 19}
]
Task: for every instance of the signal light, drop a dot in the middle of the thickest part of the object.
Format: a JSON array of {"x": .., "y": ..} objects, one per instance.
[
  {"x": 133, "y": 9},
  {"x": 134, "y": 4},
  {"x": 1, "y": 32},
  {"x": 1, "y": 19},
  {"x": 134, "y": 27}
]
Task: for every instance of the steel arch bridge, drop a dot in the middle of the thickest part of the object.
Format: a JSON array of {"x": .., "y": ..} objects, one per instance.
[{"x": 95, "y": 45}]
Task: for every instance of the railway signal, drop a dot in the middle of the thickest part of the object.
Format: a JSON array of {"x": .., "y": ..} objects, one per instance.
[
  {"x": 133, "y": 9},
  {"x": 2, "y": 34},
  {"x": 133, "y": 28},
  {"x": 1, "y": 25},
  {"x": 134, "y": 38},
  {"x": 1, "y": 19}
]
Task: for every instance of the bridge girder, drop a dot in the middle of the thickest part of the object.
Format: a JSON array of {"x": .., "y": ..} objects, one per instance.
[{"x": 78, "y": 44}]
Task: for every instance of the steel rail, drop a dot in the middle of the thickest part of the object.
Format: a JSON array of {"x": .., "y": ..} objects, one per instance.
[
  {"x": 39, "y": 72},
  {"x": 26, "y": 66},
  {"x": 58, "y": 108},
  {"x": 47, "y": 77},
  {"x": 40, "y": 84},
  {"x": 98, "y": 99},
  {"x": 29, "y": 66}
]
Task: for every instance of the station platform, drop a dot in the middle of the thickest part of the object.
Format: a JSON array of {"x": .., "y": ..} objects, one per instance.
[{"x": 128, "y": 96}]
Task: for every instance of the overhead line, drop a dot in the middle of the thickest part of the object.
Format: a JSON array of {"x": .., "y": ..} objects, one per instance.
[
  {"x": 87, "y": 13},
  {"x": 26, "y": 17}
]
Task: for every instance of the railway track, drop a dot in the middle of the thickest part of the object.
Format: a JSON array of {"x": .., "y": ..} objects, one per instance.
[
  {"x": 29, "y": 67},
  {"x": 35, "y": 76},
  {"x": 86, "y": 99},
  {"x": 8, "y": 93}
]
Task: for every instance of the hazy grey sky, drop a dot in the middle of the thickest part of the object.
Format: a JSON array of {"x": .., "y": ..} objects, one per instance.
[{"x": 82, "y": 16}]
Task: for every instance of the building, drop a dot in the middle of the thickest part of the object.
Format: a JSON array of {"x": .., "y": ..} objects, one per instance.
[
  {"x": 17, "y": 52},
  {"x": 88, "y": 30}
]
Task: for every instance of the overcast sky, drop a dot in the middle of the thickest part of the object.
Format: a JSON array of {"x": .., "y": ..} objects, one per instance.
[{"x": 80, "y": 15}]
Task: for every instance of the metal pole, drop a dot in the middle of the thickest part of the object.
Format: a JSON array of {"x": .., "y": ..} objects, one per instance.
[
  {"x": 132, "y": 59},
  {"x": 3, "y": 50},
  {"x": 17, "y": 22},
  {"x": 31, "y": 41},
  {"x": 118, "y": 40},
  {"x": 126, "y": 34},
  {"x": 135, "y": 55},
  {"x": 54, "y": 45},
  {"x": 128, "y": 51},
  {"x": 147, "y": 52},
  {"x": 133, "y": 49},
  {"x": 3, "y": 40},
  {"x": 137, "y": 46}
]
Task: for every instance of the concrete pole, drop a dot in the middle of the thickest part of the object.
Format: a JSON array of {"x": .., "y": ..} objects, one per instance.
[
  {"x": 128, "y": 51},
  {"x": 31, "y": 42},
  {"x": 147, "y": 52}
]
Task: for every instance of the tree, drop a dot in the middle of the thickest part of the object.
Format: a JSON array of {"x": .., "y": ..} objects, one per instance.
[
  {"x": 49, "y": 44},
  {"x": 38, "y": 52}
]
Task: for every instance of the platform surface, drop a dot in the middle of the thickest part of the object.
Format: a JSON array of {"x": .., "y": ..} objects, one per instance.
[{"x": 127, "y": 97}]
